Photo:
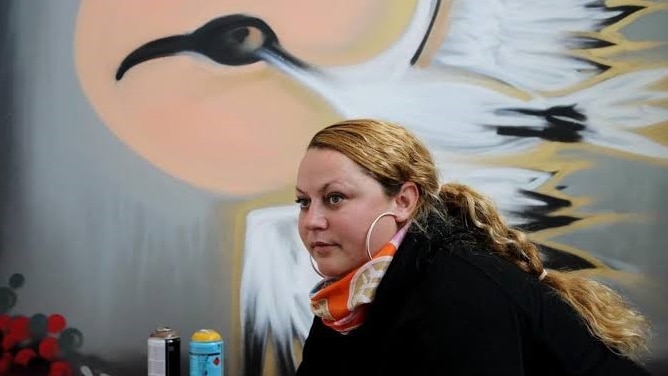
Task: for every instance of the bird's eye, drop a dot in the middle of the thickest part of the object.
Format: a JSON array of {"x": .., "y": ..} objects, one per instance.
[{"x": 246, "y": 39}]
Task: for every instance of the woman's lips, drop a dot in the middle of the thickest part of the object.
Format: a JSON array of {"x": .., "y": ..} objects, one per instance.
[{"x": 322, "y": 249}]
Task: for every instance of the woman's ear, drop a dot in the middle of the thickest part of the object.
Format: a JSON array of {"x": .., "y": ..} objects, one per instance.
[{"x": 406, "y": 201}]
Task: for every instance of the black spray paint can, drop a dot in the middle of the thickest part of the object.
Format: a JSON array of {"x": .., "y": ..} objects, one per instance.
[{"x": 164, "y": 352}]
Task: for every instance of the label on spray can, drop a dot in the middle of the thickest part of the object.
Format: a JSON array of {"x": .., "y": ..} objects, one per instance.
[
  {"x": 207, "y": 353},
  {"x": 164, "y": 352}
]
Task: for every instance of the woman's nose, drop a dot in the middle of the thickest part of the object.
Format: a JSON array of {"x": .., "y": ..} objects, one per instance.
[{"x": 315, "y": 219}]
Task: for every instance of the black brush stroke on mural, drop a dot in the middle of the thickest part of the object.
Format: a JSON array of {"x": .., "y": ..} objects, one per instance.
[
  {"x": 591, "y": 43},
  {"x": 557, "y": 259},
  {"x": 540, "y": 217},
  {"x": 624, "y": 11},
  {"x": 562, "y": 124},
  {"x": 255, "y": 345},
  {"x": 232, "y": 40},
  {"x": 418, "y": 52}
]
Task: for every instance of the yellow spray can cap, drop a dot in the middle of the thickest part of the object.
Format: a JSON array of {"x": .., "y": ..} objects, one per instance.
[{"x": 206, "y": 335}]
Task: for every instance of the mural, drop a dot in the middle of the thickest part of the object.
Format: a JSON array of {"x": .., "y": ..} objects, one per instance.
[
  {"x": 39, "y": 343},
  {"x": 150, "y": 149}
]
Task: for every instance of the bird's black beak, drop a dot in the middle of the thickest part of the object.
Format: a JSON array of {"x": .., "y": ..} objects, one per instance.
[{"x": 230, "y": 40}]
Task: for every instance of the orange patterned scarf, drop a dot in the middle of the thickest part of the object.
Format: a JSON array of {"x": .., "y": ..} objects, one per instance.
[{"x": 342, "y": 303}]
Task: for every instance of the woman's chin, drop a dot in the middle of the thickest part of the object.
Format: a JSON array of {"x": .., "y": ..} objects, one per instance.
[
  {"x": 333, "y": 271},
  {"x": 329, "y": 272}
]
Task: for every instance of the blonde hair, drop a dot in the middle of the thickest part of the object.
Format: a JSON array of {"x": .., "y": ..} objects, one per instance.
[{"x": 393, "y": 156}]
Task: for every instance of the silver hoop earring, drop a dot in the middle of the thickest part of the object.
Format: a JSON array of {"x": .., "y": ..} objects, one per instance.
[
  {"x": 368, "y": 233},
  {"x": 315, "y": 267}
]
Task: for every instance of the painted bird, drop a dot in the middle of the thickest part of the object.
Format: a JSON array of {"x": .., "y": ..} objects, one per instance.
[{"x": 458, "y": 104}]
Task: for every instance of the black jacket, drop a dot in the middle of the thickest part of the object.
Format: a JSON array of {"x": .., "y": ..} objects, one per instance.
[{"x": 446, "y": 306}]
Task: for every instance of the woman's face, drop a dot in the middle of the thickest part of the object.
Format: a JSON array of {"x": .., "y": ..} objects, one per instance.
[
  {"x": 237, "y": 130},
  {"x": 338, "y": 202}
]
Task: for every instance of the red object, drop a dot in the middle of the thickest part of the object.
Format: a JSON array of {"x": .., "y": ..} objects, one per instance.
[
  {"x": 48, "y": 348},
  {"x": 55, "y": 323},
  {"x": 60, "y": 369},
  {"x": 4, "y": 322},
  {"x": 5, "y": 363},
  {"x": 19, "y": 327},
  {"x": 24, "y": 356},
  {"x": 9, "y": 341}
]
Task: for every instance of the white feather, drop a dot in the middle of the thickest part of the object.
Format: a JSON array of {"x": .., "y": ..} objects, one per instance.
[
  {"x": 276, "y": 276},
  {"x": 526, "y": 43}
]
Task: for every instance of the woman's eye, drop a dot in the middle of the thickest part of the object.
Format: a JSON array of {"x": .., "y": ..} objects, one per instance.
[
  {"x": 302, "y": 202},
  {"x": 335, "y": 199}
]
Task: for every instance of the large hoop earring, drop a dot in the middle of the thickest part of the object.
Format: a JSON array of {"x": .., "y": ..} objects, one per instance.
[
  {"x": 315, "y": 267},
  {"x": 368, "y": 233}
]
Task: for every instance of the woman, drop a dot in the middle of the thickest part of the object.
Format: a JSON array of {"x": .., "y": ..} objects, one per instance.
[{"x": 425, "y": 279}]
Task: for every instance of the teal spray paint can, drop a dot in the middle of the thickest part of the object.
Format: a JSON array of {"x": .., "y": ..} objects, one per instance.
[{"x": 207, "y": 353}]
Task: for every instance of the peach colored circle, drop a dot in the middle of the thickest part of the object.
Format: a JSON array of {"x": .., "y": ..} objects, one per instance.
[{"x": 233, "y": 130}]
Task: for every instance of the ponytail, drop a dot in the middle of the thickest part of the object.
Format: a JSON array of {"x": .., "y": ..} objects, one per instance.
[{"x": 605, "y": 312}]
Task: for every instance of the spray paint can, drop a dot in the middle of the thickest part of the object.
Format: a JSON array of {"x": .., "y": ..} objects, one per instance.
[
  {"x": 207, "y": 353},
  {"x": 164, "y": 352}
]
